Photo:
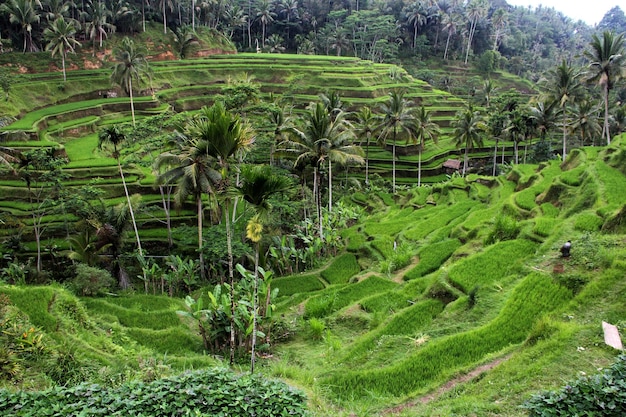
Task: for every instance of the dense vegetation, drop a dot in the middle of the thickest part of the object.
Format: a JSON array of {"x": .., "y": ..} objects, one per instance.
[{"x": 295, "y": 211}]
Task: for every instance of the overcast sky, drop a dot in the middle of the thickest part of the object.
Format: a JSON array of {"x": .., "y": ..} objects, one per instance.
[{"x": 589, "y": 11}]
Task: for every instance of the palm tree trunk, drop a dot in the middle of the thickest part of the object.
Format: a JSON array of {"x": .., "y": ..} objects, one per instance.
[
  {"x": 445, "y": 52},
  {"x": 564, "y": 136},
  {"x": 318, "y": 202},
  {"x": 164, "y": 19},
  {"x": 330, "y": 186},
  {"x": 419, "y": 166},
  {"x": 200, "y": 238},
  {"x": 132, "y": 105},
  {"x": 465, "y": 159},
  {"x": 393, "y": 161},
  {"x": 231, "y": 276},
  {"x": 254, "y": 306},
  {"x": 495, "y": 159},
  {"x": 63, "y": 64},
  {"x": 130, "y": 207},
  {"x": 193, "y": 14},
  {"x": 367, "y": 159},
  {"x": 606, "y": 114}
]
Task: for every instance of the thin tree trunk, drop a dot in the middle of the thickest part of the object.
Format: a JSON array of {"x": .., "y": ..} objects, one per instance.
[
  {"x": 465, "y": 159},
  {"x": 330, "y": 186},
  {"x": 606, "y": 114},
  {"x": 419, "y": 166},
  {"x": 564, "y": 136},
  {"x": 254, "y": 307},
  {"x": 130, "y": 207},
  {"x": 495, "y": 159},
  {"x": 231, "y": 276},
  {"x": 132, "y": 105},
  {"x": 445, "y": 52},
  {"x": 200, "y": 238},
  {"x": 63, "y": 64},
  {"x": 393, "y": 161},
  {"x": 367, "y": 161}
]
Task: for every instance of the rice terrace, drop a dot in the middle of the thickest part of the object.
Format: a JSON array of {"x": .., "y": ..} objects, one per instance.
[{"x": 208, "y": 213}]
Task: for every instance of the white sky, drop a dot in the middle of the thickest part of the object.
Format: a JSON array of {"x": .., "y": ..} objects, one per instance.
[{"x": 590, "y": 12}]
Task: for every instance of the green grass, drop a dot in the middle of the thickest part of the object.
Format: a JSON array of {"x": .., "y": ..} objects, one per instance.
[
  {"x": 431, "y": 257},
  {"x": 341, "y": 269}
]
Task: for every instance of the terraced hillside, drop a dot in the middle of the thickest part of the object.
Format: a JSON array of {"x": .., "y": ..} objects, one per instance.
[
  {"x": 87, "y": 104},
  {"x": 435, "y": 283}
]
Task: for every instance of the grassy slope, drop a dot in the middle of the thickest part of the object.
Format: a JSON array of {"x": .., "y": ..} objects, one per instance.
[{"x": 390, "y": 341}]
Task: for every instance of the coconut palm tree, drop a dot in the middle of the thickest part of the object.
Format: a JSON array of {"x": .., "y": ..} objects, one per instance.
[
  {"x": 468, "y": 131},
  {"x": 164, "y": 6},
  {"x": 113, "y": 136},
  {"x": 475, "y": 10},
  {"x": 190, "y": 168},
  {"x": 398, "y": 118},
  {"x": 367, "y": 123},
  {"x": 321, "y": 138},
  {"x": 279, "y": 119},
  {"x": 608, "y": 59},
  {"x": 185, "y": 39},
  {"x": 416, "y": 15},
  {"x": 258, "y": 185},
  {"x": 61, "y": 39},
  {"x": 24, "y": 14},
  {"x": 98, "y": 25},
  {"x": 451, "y": 23},
  {"x": 131, "y": 65},
  {"x": 224, "y": 136},
  {"x": 425, "y": 129},
  {"x": 563, "y": 86},
  {"x": 584, "y": 117},
  {"x": 265, "y": 15}
]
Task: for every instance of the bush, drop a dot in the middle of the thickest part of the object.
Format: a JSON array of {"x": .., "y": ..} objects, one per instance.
[
  {"x": 90, "y": 281},
  {"x": 205, "y": 392},
  {"x": 599, "y": 395}
]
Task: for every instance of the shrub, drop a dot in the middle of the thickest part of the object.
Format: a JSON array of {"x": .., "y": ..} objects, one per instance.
[
  {"x": 205, "y": 392},
  {"x": 603, "y": 394},
  {"x": 316, "y": 328},
  {"x": 90, "y": 281}
]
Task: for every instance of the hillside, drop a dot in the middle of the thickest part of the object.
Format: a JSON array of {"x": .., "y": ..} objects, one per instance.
[{"x": 482, "y": 284}]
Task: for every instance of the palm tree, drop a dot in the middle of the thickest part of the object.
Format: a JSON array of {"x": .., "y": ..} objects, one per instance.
[
  {"x": 112, "y": 135},
  {"x": 425, "y": 129},
  {"x": 451, "y": 24},
  {"x": 563, "y": 86},
  {"x": 165, "y": 5},
  {"x": 61, "y": 39},
  {"x": 339, "y": 40},
  {"x": 9, "y": 156},
  {"x": 191, "y": 169},
  {"x": 23, "y": 13},
  {"x": 543, "y": 113},
  {"x": 224, "y": 136},
  {"x": 185, "y": 39},
  {"x": 321, "y": 138},
  {"x": 585, "y": 121},
  {"x": 499, "y": 20},
  {"x": 98, "y": 26},
  {"x": 475, "y": 10},
  {"x": 397, "y": 116},
  {"x": 289, "y": 8},
  {"x": 131, "y": 65},
  {"x": 366, "y": 124},
  {"x": 607, "y": 66},
  {"x": 468, "y": 131},
  {"x": 278, "y": 118},
  {"x": 266, "y": 16},
  {"x": 417, "y": 15},
  {"x": 258, "y": 185}
]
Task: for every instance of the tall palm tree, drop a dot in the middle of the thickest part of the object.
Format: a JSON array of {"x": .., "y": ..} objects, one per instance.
[
  {"x": 61, "y": 39},
  {"x": 451, "y": 23},
  {"x": 164, "y": 6},
  {"x": 279, "y": 119},
  {"x": 468, "y": 131},
  {"x": 475, "y": 10},
  {"x": 224, "y": 136},
  {"x": 131, "y": 65},
  {"x": 544, "y": 116},
  {"x": 398, "y": 118},
  {"x": 416, "y": 15},
  {"x": 258, "y": 185},
  {"x": 608, "y": 59},
  {"x": 112, "y": 135},
  {"x": 425, "y": 129},
  {"x": 98, "y": 25},
  {"x": 563, "y": 86},
  {"x": 585, "y": 121},
  {"x": 367, "y": 123},
  {"x": 23, "y": 13},
  {"x": 265, "y": 15},
  {"x": 185, "y": 39},
  {"x": 191, "y": 169},
  {"x": 499, "y": 20}
]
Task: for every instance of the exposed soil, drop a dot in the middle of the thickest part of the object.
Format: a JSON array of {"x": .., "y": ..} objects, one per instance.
[{"x": 445, "y": 387}]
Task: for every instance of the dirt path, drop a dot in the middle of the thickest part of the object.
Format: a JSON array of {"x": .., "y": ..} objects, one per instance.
[{"x": 445, "y": 387}]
